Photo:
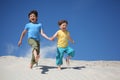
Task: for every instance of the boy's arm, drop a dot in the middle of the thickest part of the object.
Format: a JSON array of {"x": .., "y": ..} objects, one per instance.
[
  {"x": 71, "y": 40},
  {"x": 44, "y": 35},
  {"x": 54, "y": 36},
  {"x": 21, "y": 37}
]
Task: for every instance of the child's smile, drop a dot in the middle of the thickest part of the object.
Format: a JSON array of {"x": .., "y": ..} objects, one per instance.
[
  {"x": 63, "y": 26},
  {"x": 32, "y": 20}
]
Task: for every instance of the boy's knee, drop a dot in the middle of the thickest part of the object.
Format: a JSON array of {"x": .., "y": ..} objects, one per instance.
[
  {"x": 36, "y": 51},
  {"x": 72, "y": 53}
]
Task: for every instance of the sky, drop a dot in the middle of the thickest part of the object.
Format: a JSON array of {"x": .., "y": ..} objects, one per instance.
[{"x": 94, "y": 25}]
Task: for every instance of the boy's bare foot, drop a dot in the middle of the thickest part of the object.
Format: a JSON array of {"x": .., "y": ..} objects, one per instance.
[
  {"x": 59, "y": 68},
  {"x": 31, "y": 66}
]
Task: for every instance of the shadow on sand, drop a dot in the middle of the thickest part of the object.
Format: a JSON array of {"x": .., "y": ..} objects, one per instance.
[{"x": 47, "y": 68}]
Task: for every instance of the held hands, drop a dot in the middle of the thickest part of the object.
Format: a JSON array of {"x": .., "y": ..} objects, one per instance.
[{"x": 51, "y": 39}]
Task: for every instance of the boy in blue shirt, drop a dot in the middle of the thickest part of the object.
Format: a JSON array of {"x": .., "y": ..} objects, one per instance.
[{"x": 34, "y": 29}]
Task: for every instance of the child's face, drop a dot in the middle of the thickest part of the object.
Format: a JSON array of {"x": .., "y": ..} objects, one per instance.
[
  {"x": 63, "y": 26},
  {"x": 32, "y": 18}
]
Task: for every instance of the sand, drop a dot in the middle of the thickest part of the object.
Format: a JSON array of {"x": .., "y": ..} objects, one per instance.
[{"x": 17, "y": 68}]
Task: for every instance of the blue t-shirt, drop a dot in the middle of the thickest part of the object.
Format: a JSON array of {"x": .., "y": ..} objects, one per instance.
[{"x": 33, "y": 30}]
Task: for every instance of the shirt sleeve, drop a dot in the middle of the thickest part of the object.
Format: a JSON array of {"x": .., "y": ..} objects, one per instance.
[
  {"x": 40, "y": 27},
  {"x": 26, "y": 27}
]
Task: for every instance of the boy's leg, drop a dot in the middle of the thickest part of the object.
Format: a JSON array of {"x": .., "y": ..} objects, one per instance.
[
  {"x": 35, "y": 52},
  {"x": 70, "y": 52},
  {"x": 36, "y": 55},
  {"x": 59, "y": 57},
  {"x": 32, "y": 61},
  {"x": 35, "y": 58},
  {"x": 68, "y": 60}
]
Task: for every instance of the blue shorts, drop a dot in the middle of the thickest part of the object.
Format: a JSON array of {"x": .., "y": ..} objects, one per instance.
[
  {"x": 68, "y": 50},
  {"x": 60, "y": 53}
]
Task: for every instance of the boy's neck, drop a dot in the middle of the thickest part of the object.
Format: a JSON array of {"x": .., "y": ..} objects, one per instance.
[
  {"x": 63, "y": 30},
  {"x": 34, "y": 22}
]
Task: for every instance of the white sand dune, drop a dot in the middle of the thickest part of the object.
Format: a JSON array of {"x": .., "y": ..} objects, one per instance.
[{"x": 14, "y": 68}]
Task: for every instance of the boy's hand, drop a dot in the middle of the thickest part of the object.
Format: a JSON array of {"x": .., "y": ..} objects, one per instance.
[
  {"x": 52, "y": 39},
  {"x": 19, "y": 43}
]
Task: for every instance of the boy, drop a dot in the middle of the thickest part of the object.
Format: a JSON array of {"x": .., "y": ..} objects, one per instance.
[
  {"x": 62, "y": 44},
  {"x": 34, "y": 29}
]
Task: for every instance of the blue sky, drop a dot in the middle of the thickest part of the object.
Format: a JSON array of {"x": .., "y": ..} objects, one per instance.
[{"x": 93, "y": 24}]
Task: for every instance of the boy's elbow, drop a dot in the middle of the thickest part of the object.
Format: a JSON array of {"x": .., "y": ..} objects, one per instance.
[{"x": 42, "y": 34}]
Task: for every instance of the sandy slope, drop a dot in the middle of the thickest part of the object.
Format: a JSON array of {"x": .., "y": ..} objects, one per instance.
[{"x": 14, "y": 68}]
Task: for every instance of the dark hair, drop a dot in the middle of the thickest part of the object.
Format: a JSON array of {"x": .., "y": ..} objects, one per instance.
[
  {"x": 33, "y": 12},
  {"x": 62, "y": 21}
]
